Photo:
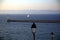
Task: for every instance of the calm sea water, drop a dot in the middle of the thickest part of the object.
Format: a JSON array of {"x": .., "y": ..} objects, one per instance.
[{"x": 22, "y": 31}]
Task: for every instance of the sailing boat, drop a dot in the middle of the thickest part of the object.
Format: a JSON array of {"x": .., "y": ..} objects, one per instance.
[{"x": 28, "y": 16}]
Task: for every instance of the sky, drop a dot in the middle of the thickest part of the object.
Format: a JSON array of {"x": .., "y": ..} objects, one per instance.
[
  {"x": 6, "y": 6},
  {"x": 29, "y": 4}
]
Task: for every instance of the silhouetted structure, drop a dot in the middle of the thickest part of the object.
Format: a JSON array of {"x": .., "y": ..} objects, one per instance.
[
  {"x": 52, "y": 36},
  {"x": 33, "y": 30},
  {"x": 1, "y": 38}
]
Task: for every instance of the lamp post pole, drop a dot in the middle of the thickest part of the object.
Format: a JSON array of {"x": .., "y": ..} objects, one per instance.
[
  {"x": 33, "y": 28},
  {"x": 52, "y": 36},
  {"x": 33, "y": 36}
]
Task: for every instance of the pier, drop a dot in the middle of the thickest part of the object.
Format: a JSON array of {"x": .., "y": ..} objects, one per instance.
[{"x": 41, "y": 21}]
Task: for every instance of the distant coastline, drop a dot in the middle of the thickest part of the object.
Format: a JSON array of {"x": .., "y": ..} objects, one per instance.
[{"x": 29, "y": 11}]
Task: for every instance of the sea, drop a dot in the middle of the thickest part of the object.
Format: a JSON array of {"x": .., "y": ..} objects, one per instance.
[{"x": 22, "y": 30}]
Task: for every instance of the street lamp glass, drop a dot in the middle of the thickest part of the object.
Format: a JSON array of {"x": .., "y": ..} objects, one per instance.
[
  {"x": 33, "y": 30},
  {"x": 52, "y": 35}
]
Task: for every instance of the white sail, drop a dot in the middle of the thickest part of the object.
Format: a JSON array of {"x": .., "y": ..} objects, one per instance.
[{"x": 28, "y": 15}]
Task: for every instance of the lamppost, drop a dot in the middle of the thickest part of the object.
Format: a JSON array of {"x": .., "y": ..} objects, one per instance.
[
  {"x": 52, "y": 35},
  {"x": 33, "y": 28}
]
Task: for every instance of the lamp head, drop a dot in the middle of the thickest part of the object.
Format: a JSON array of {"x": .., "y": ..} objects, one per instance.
[
  {"x": 52, "y": 34},
  {"x": 33, "y": 27}
]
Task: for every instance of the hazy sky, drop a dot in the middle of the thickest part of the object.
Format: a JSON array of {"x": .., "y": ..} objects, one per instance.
[{"x": 29, "y": 4}]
